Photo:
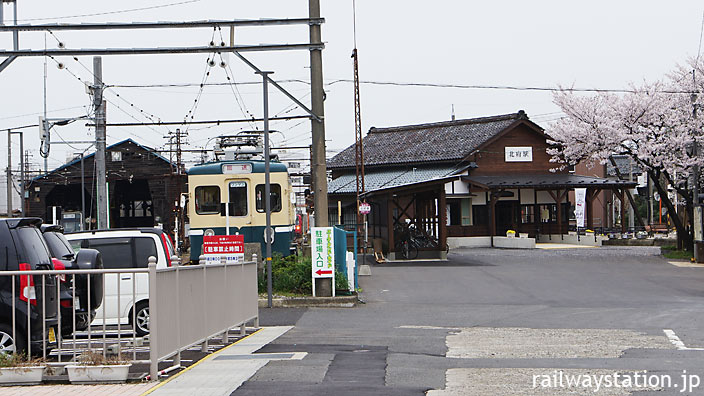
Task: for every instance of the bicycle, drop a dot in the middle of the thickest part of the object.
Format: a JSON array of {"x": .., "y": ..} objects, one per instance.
[{"x": 407, "y": 245}]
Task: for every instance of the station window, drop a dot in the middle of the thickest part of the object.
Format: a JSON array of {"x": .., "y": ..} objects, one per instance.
[
  {"x": 527, "y": 214},
  {"x": 207, "y": 199},
  {"x": 275, "y": 197},
  {"x": 238, "y": 197}
]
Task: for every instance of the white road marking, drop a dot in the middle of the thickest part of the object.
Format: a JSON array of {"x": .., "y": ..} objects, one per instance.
[
  {"x": 675, "y": 340},
  {"x": 686, "y": 264},
  {"x": 427, "y": 327}
]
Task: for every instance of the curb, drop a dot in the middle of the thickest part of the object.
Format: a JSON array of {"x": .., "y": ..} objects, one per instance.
[{"x": 298, "y": 302}]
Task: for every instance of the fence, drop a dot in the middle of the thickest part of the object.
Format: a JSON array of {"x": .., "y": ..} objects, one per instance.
[
  {"x": 188, "y": 305},
  {"x": 227, "y": 299}
]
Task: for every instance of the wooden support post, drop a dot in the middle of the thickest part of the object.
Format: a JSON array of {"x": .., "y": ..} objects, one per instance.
[
  {"x": 559, "y": 212},
  {"x": 442, "y": 227},
  {"x": 536, "y": 213},
  {"x": 492, "y": 215},
  {"x": 622, "y": 196},
  {"x": 589, "y": 212},
  {"x": 390, "y": 221}
]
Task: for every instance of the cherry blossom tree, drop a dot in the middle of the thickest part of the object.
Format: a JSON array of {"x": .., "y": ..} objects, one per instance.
[{"x": 653, "y": 124}]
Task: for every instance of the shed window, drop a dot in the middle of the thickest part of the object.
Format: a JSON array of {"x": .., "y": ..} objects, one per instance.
[
  {"x": 275, "y": 198},
  {"x": 207, "y": 199},
  {"x": 238, "y": 196}
]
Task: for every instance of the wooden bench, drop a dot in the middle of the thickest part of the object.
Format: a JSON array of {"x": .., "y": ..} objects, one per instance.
[{"x": 662, "y": 228}]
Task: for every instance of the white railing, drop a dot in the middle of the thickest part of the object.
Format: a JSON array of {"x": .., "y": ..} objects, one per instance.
[
  {"x": 188, "y": 305},
  {"x": 206, "y": 301}
]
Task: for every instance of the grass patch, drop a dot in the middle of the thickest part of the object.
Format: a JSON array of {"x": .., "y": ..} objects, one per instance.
[{"x": 671, "y": 252}]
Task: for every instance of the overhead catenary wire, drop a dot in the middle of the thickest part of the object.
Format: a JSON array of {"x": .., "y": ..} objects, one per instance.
[
  {"x": 110, "y": 12},
  {"x": 427, "y": 85}
]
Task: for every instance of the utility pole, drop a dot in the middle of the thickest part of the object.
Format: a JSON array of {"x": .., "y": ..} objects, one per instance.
[
  {"x": 697, "y": 218},
  {"x": 318, "y": 167},
  {"x": 268, "y": 234},
  {"x": 9, "y": 173},
  {"x": 99, "y": 107},
  {"x": 21, "y": 172}
]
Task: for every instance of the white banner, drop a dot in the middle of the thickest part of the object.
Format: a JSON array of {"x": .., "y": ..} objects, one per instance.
[
  {"x": 323, "y": 252},
  {"x": 580, "y": 195}
]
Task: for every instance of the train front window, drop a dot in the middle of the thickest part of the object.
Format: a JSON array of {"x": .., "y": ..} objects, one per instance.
[
  {"x": 207, "y": 199},
  {"x": 275, "y": 198},
  {"x": 238, "y": 197}
]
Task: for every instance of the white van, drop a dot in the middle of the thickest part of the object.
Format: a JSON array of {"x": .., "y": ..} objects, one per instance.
[{"x": 126, "y": 248}]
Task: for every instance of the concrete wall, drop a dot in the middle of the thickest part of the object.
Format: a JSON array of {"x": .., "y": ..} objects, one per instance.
[
  {"x": 485, "y": 241},
  {"x": 572, "y": 239}
]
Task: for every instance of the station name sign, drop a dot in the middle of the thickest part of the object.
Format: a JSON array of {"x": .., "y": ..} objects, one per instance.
[{"x": 518, "y": 154}]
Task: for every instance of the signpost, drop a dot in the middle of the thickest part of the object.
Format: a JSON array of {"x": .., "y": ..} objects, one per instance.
[
  {"x": 323, "y": 255},
  {"x": 364, "y": 208},
  {"x": 229, "y": 246}
]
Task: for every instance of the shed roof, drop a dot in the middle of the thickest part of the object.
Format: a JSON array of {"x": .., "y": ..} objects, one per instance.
[
  {"x": 389, "y": 178},
  {"x": 424, "y": 143},
  {"x": 126, "y": 141}
]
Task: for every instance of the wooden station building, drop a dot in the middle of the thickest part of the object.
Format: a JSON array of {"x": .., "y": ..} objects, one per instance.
[
  {"x": 464, "y": 178},
  {"x": 142, "y": 188}
]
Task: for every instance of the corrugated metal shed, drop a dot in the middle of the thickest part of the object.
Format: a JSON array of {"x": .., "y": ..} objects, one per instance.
[{"x": 389, "y": 178}]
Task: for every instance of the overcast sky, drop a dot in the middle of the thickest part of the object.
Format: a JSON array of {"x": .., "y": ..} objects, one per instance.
[{"x": 596, "y": 44}]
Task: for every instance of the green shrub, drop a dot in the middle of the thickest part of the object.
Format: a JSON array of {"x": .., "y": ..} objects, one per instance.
[
  {"x": 290, "y": 274},
  {"x": 293, "y": 275}
]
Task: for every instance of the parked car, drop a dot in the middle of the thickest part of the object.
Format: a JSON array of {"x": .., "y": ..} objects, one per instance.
[
  {"x": 126, "y": 248},
  {"x": 24, "y": 249},
  {"x": 64, "y": 257}
]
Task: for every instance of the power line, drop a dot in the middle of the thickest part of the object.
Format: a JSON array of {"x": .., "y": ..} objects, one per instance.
[
  {"x": 200, "y": 122},
  {"x": 110, "y": 12},
  {"x": 420, "y": 84}
]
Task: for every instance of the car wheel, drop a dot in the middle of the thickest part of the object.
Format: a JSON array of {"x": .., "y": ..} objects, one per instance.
[
  {"x": 7, "y": 343},
  {"x": 141, "y": 318}
]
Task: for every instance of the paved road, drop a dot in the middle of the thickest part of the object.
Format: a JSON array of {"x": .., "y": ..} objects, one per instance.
[{"x": 493, "y": 322}]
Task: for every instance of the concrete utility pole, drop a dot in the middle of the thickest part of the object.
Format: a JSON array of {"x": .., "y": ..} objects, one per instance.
[
  {"x": 9, "y": 172},
  {"x": 318, "y": 167},
  {"x": 99, "y": 107},
  {"x": 267, "y": 187}
]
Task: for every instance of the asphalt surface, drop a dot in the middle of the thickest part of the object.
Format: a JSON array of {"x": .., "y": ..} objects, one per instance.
[{"x": 489, "y": 321}]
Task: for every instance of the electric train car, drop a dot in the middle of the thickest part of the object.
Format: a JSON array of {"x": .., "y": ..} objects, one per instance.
[{"x": 240, "y": 183}]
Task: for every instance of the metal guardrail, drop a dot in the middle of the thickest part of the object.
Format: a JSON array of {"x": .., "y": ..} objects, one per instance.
[
  {"x": 188, "y": 306},
  {"x": 205, "y": 300}
]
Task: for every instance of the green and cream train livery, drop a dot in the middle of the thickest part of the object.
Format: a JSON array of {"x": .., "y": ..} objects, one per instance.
[{"x": 230, "y": 194}]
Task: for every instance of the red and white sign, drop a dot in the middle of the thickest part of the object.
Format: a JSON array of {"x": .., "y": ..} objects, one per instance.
[
  {"x": 229, "y": 246},
  {"x": 364, "y": 208}
]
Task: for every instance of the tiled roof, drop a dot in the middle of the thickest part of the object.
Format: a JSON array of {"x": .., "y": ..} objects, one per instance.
[
  {"x": 389, "y": 178},
  {"x": 625, "y": 165},
  {"x": 441, "y": 141}
]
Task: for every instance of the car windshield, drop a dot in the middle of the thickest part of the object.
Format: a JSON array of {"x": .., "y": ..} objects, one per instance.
[{"x": 58, "y": 245}]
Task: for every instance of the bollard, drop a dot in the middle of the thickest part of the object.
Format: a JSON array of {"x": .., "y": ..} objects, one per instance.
[{"x": 201, "y": 259}]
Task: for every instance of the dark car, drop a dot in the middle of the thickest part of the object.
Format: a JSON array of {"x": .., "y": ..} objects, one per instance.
[
  {"x": 23, "y": 248},
  {"x": 65, "y": 258}
]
